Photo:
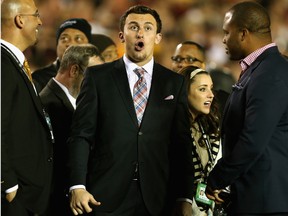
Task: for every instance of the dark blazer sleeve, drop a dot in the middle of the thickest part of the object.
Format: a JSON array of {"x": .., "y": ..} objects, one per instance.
[
  {"x": 9, "y": 176},
  {"x": 83, "y": 130},
  {"x": 182, "y": 171}
]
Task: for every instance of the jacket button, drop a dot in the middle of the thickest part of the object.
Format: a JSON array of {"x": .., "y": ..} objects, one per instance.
[
  {"x": 50, "y": 159},
  {"x": 140, "y": 133}
]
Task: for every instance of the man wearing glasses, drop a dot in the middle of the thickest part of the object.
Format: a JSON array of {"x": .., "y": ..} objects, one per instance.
[
  {"x": 26, "y": 132},
  {"x": 188, "y": 53}
]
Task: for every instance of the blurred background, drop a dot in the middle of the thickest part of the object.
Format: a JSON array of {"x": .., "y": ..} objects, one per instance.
[{"x": 197, "y": 20}]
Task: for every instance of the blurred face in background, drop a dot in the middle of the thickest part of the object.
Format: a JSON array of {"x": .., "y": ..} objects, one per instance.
[
  {"x": 68, "y": 37},
  {"x": 110, "y": 53},
  {"x": 187, "y": 54},
  {"x": 95, "y": 60}
]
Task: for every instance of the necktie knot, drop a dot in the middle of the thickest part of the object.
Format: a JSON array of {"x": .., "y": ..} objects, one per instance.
[{"x": 139, "y": 72}]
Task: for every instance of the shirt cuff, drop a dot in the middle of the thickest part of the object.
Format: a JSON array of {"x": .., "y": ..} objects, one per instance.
[
  {"x": 9, "y": 190},
  {"x": 77, "y": 187}
]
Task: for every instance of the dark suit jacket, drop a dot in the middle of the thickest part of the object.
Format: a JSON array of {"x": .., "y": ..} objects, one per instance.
[
  {"x": 255, "y": 138},
  {"x": 105, "y": 122},
  {"x": 26, "y": 148},
  {"x": 221, "y": 97},
  {"x": 42, "y": 76},
  {"x": 60, "y": 111}
]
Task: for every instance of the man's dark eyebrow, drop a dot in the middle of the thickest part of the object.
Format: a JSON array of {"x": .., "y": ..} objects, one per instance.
[
  {"x": 149, "y": 23},
  {"x": 134, "y": 22}
]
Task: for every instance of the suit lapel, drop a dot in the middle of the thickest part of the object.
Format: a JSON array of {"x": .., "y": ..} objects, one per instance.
[
  {"x": 36, "y": 100},
  {"x": 29, "y": 85},
  {"x": 32, "y": 92},
  {"x": 57, "y": 90},
  {"x": 244, "y": 80},
  {"x": 121, "y": 80},
  {"x": 155, "y": 93}
]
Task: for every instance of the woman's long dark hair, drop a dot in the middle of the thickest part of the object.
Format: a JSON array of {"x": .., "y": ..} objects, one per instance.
[{"x": 211, "y": 121}]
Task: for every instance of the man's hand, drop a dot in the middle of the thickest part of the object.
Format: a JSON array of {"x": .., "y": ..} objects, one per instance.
[
  {"x": 79, "y": 201},
  {"x": 182, "y": 209},
  {"x": 11, "y": 196},
  {"x": 214, "y": 195}
]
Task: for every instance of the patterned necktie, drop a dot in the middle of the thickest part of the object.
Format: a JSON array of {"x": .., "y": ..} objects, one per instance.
[
  {"x": 27, "y": 69},
  {"x": 140, "y": 94}
]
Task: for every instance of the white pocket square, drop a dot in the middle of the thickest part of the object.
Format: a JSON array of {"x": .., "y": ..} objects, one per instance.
[{"x": 170, "y": 97}]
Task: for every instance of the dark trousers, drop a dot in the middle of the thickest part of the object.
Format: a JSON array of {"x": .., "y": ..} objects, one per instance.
[
  {"x": 59, "y": 205},
  {"x": 132, "y": 205}
]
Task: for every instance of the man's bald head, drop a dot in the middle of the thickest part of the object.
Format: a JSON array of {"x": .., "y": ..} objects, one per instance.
[
  {"x": 10, "y": 8},
  {"x": 20, "y": 21}
]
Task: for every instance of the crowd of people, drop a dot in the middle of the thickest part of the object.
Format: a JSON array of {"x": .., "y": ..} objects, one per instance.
[
  {"x": 107, "y": 129},
  {"x": 195, "y": 20}
]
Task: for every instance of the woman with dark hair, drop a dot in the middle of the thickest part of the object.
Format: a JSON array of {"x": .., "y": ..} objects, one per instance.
[{"x": 205, "y": 133}]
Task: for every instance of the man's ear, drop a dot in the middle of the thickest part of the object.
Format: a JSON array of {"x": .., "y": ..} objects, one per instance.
[
  {"x": 158, "y": 38},
  {"x": 121, "y": 36},
  {"x": 244, "y": 34},
  {"x": 18, "y": 21},
  {"x": 74, "y": 70}
]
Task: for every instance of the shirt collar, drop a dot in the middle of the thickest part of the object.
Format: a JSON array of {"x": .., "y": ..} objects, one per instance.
[
  {"x": 247, "y": 61},
  {"x": 130, "y": 66},
  {"x": 15, "y": 50},
  {"x": 65, "y": 89}
]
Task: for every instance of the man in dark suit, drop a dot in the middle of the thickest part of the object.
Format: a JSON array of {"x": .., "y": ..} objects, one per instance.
[
  {"x": 59, "y": 99},
  {"x": 26, "y": 135},
  {"x": 120, "y": 164},
  {"x": 254, "y": 131}
]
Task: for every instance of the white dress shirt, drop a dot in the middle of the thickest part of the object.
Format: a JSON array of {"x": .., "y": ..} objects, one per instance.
[
  {"x": 132, "y": 77},
  {"x": 69, "y": 96}
]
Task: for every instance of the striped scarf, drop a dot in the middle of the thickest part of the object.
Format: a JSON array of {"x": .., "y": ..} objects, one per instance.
[{"x": 199, "y": 170}]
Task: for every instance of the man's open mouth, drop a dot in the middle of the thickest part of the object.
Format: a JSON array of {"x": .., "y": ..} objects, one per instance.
[{"x": 139, "y": 46}]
